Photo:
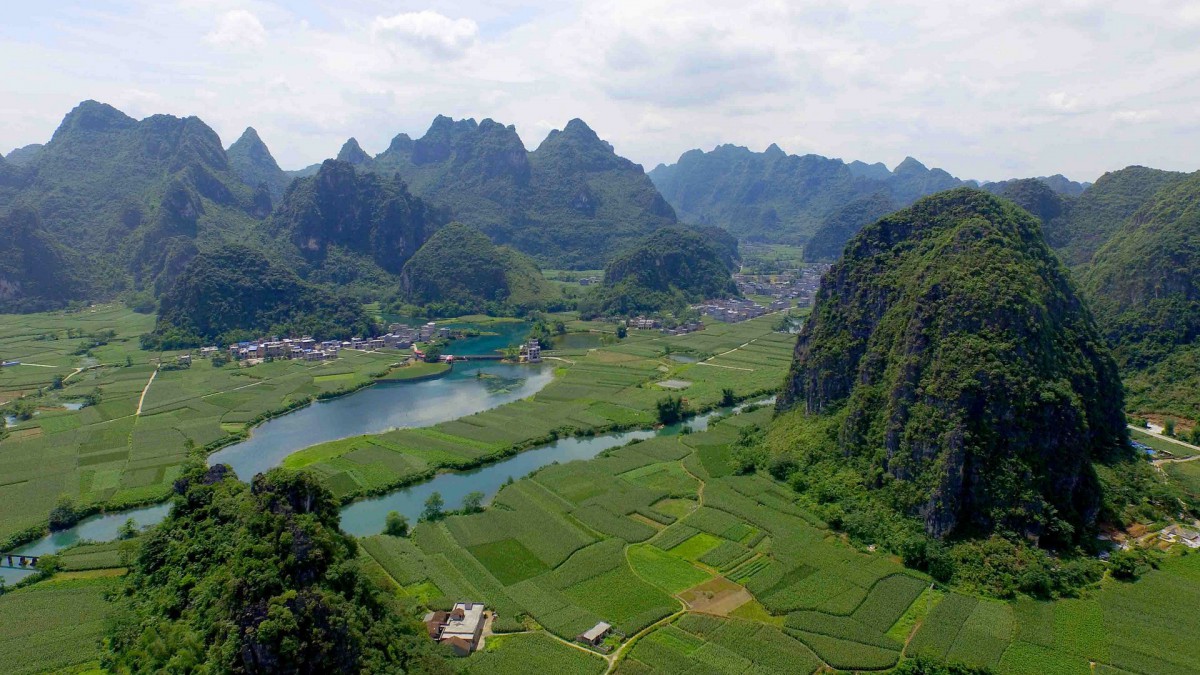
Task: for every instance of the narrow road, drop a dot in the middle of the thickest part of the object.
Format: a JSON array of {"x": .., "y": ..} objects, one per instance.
[
  {"x": 1159, "y": 462},
  {"x": 143, "y": 398}
]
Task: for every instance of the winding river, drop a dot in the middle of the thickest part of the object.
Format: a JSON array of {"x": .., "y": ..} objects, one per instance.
[{"x": 376, "y": 409}]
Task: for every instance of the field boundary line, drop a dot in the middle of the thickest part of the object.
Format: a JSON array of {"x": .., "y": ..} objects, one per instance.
[{"x": 717, "y": 365}]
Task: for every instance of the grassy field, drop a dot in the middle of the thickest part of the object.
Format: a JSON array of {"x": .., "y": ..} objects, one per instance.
[
  {"x": 55, "y": 625},
  {"x": 609, "y": 387},
  {"x": 108, "y": 454}
]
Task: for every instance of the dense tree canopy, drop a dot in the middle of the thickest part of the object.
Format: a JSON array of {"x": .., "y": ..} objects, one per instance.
[{"x": 258, "y": 579}]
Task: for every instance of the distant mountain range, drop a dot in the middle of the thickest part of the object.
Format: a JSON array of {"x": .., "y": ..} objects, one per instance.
[{"x": 776, "y": 197}]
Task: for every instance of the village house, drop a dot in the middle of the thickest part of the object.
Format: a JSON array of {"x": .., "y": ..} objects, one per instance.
[
  {"x": 642, "y": 323},
  {"x": 531, "y": 351},
  {"x": 184, "y": 359},
  {"x": 595, "y": 635},
  {"x": 1181, "y": 535},
  {"x": 208, "y": 352},
  {"x": 461, "y": 628}
]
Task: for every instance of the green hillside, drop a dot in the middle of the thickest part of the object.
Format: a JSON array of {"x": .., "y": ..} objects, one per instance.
[
  {"x": 950, "y": 369},
  {"x": 460, "y": 271},
  {"x": 571, "y": 203},
  {"x": 668, "y": 269},
  {"x": 132, "y": 201},
  {"x": 235, "y": 292}
]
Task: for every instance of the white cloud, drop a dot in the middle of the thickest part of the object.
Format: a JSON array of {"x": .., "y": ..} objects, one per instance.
[
  {"x": 1061, "y": 101},
  {"x": 429, "y": 31},
  {"x": 984, "y": 90},
  {"x": 238, "y": 29},
  {"x": 1136, "y": 116}
]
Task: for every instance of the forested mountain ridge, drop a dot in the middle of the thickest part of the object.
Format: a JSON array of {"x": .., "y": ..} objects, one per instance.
[
  {"x": 572, "y": 202},
  {"x": 252, "y": 161},
  {"x": 776, "y": 197},
  {"x": 1145, "y": 282},
  {"x": 132, "y": 201},
  {"x": 33, "y": 273},
  {"x": 1102, "y": 209},
  {"x": 668, "y": 269},
  {"x": 346, "y": 226},
  {"x": 234, "y": 292},
  {"x": 949, "y": 356}
]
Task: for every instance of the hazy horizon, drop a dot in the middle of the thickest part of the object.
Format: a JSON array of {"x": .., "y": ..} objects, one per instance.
[{"x": 1076, "y": 87}]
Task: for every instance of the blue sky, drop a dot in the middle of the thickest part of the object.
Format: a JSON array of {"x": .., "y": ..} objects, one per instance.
[{"x": 984, "y": 90}]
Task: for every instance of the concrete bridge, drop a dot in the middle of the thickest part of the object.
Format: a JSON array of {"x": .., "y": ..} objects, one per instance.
[{"x": 18, "y": 561}]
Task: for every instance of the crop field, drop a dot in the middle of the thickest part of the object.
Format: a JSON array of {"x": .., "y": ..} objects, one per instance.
[
  {"x": 108, "y": 454},
  {"x": 54, "y": 625},
  {"x": 532, "y": 653},
  {"x": 1187, "y": 474},
  {"x": 605, "y": 388}
]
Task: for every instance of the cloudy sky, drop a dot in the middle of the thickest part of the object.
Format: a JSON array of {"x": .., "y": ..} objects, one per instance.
[{"x": 986, "y": 90}]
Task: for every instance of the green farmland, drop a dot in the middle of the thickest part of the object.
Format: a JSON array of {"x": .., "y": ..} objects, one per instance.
[
  {"x": 594, "y": 390},
  {"x": 736, "y": 577},
  {"x": 108, "y": 454}
]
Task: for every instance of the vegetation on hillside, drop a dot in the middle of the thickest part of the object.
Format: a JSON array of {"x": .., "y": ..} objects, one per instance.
[
  {"x": 252, "y": 161},
  {"x": 1145, "y": 283},
  {"x": 34, "y": 275},
  {"x": 830, "y": 238},
  {"x": 132, "y": 201},
  {"x": 348, "y": 227},
  {"x": 1102, "y": 209},
  {"x": 235, "y": 293},
  {"x": 258, "y": 578},
  {"x": 569, "y": 204},
  {"x": 460, "y": 271},
  {"x": 950, "y": 374},
  {"x": 775, "y": 197},
  {"x": 668, "y": 269}
]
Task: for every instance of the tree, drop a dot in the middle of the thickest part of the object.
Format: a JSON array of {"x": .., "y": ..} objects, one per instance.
[
  {"x": 473, "y": 502},
  {"x": 670, "y": 410},
  {"x": 1125, "y": 565},
  {"x": 129, "y": 530},
  {"x": 128, "y": 361},
  {"x": 396, "y": 524},
  {"x": 1169, "y": 426},
  {"x": 727, "y": 398},
  {"x": 57, "y": 382},
  {"x": 64, "y": 514},
  {"x": 433, "y": 507},
  {"x": 622, "y": 331}
]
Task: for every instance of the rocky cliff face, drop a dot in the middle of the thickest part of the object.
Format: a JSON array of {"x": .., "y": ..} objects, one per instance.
[{"x": 969, "y": 379}]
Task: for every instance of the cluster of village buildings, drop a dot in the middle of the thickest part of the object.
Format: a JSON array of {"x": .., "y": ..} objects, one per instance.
[
  {"x": 306, "y": 348},
  {"x": 734, "y": 310},
  {"x": 798, "y": 286}
]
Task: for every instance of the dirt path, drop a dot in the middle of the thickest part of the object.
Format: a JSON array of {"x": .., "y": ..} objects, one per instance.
[{"x": 143, "y": 398}]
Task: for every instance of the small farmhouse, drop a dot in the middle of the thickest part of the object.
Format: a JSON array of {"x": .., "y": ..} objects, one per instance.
[{"x": 461, "y": 628}]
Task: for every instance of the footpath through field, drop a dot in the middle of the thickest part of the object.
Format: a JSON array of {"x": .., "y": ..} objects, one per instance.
[{"x": 144, "y": 391}]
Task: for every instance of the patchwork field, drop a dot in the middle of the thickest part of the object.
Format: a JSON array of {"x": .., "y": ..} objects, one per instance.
[{"x": 705, "y": 571}]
